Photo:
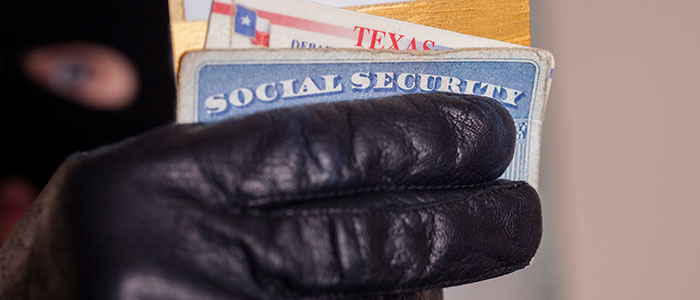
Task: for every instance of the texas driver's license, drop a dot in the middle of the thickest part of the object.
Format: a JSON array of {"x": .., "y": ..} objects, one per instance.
[{"x": 300, "y": 24}]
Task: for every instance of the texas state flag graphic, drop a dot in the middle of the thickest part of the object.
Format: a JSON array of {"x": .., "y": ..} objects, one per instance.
[
  {"x": 262, "y": 32},
  {"x": 249, "y": 24}
]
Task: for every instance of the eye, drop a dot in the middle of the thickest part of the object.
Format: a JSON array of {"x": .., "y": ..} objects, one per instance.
[{"x": 88, "y": 74}]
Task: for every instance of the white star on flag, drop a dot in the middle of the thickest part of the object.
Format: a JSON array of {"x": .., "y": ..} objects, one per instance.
[{"x": 245, "y": 20}]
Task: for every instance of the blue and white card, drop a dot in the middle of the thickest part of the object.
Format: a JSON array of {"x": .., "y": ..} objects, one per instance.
[{"x": 220, "y": 84}]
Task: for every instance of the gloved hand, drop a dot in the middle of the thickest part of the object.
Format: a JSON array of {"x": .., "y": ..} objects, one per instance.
[{"x": 388, "y": 198}]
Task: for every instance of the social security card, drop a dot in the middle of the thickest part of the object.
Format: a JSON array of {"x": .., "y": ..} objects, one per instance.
[{"x": 220, "y": 84}]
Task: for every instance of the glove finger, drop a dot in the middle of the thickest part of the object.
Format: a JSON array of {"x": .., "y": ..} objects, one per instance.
[
  {"x": 408, "y": 142},
  {"x": 354, "y": 246}
]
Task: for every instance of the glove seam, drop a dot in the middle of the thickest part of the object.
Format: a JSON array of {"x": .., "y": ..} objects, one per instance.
[
  {"x": 440, "y": 205},
  {"x": 353, "y": 191}
]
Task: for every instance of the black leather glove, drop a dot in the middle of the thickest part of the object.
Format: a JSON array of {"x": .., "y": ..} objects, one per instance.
[{"x": 388, "y": 198}]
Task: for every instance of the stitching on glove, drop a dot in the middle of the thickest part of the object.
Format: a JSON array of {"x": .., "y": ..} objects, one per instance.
[
  {"x": 349, "y": 192},
  {"x": 441, "y": 205}
]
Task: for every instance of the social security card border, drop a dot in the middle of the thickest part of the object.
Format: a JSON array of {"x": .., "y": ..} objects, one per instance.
[{"x": 540, "y": 59}]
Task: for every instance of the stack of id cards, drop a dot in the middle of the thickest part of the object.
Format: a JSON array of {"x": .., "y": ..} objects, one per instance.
[{"x": 268, "y": 54}]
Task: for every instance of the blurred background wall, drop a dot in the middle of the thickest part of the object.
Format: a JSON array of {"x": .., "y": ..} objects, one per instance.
[{"x": 620, "y": 169}]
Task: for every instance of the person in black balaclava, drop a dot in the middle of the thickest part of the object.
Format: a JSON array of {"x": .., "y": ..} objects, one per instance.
[{"x": 75, "y": 75}]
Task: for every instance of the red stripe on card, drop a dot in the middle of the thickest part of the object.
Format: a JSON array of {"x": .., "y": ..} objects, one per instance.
[
  {"x": 221, "y": 8},
  {"x": 308, "y": 25}
]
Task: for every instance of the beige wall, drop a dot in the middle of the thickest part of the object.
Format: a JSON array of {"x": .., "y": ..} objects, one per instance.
[
  {"x": 622, "y": 145},
  {"x": 620, "y": 166}
]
